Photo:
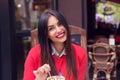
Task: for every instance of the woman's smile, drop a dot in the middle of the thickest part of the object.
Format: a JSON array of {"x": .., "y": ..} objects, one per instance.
[{"x": 61, "y": 35}]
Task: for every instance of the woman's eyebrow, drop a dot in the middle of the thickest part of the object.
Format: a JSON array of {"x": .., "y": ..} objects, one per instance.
[{"x": 50, "y": 26}]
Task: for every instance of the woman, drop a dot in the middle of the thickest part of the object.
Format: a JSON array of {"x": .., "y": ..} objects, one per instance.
[{"x": 55, "y": 54}]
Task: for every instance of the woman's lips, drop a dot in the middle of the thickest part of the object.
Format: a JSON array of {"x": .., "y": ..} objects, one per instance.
[{"x": 60, "y": 35}]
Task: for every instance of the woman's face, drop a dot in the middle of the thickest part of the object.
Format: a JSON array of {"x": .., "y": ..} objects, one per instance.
[{"x": 56, "y": 31}]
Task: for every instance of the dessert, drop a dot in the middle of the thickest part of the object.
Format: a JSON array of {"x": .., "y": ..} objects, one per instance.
[{"x": 56, "y": 78}]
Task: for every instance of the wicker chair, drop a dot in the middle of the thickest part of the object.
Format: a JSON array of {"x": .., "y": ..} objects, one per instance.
[
  {"x": 103, "y": 58},
  {"x": 106, "y": 40}
]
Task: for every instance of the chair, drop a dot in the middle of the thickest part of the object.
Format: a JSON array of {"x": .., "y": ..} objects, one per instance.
[
  {"x": 102, "y": 40},
  {"x": 78, "y": 36},
  {"x": 103, "y": 57},
  {"x": 106, "y": 40},
  {"x": 34, "y": 37}
]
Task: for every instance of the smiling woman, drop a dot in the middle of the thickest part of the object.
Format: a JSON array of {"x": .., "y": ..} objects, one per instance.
[{"x": 55, "y": 52}]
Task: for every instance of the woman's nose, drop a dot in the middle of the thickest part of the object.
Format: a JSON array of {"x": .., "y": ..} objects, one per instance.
[{"x": 58, "y": 29}]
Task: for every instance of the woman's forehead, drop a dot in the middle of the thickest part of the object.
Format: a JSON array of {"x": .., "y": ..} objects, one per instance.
[{"x": 52, "y": 20}]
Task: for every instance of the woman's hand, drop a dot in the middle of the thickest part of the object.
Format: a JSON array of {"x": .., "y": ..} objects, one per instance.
[{"x": 42, "y": 72}]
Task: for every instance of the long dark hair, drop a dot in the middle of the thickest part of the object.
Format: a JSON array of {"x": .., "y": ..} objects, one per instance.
[{"x": 45, "y": 43}]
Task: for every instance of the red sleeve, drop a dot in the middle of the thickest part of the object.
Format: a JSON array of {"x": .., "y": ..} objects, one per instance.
[
  {"x": 31, "y": 64},
  {"x": 82, "y": 64}
]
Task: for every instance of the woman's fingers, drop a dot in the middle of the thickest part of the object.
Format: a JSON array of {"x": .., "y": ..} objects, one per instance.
[
  {"x": 35, "y": 72},
  {"x": 42, "y": 72},
  {"x": 44, "y": 69},
  {"x": 47, "y": 68}
]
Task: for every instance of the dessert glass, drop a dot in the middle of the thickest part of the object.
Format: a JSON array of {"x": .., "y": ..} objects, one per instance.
[{"x": 55, "y": 78}]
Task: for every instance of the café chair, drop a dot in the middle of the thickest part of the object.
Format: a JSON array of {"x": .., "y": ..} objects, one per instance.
[
  {"x": 78, "y": 35},
  {"x": 34, "y": 37},
  {"x": 102, "y": 40},
  {"x": 103, "y": 57},
  {"x": 106, "y": 40}
]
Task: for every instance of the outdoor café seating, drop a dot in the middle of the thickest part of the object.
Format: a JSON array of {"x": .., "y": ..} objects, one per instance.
[{"x": 102, "y": 57}]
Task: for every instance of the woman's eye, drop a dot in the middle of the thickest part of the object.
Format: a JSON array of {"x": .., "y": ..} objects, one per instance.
[{"x": 50, "y": 28}]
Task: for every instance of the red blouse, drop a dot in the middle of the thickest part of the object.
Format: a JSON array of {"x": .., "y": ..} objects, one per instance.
[{"x": 33, "y": 62}]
